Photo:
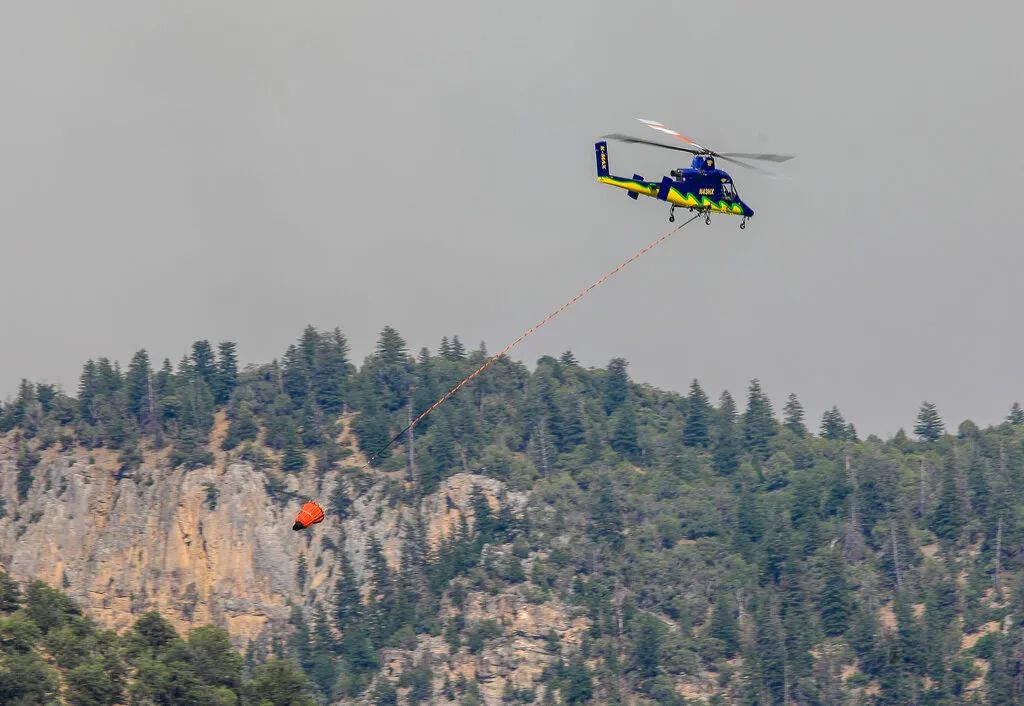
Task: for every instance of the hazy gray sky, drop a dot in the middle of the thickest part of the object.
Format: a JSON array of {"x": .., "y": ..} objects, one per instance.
[{"x": 235, "y": 170}]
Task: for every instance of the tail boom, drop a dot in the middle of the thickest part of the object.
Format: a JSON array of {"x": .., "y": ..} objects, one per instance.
[{"x": 635, "y": 186}]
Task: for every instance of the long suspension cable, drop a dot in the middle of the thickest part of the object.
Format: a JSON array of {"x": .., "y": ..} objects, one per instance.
[{"x": 504, "y": 351}]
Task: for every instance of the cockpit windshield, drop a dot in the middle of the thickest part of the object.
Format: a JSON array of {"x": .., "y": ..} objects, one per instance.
[{"x": 728, "y": 190}]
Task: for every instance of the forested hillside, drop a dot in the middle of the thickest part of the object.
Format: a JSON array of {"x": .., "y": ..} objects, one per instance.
[
  {"x": 49, "y": 650},
  {"x": 706, "y": 552}
]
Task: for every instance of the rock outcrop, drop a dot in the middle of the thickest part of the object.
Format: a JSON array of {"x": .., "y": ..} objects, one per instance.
[{"x": 214, "y": 545}]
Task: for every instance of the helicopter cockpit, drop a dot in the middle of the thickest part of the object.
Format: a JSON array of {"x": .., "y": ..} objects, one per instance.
[{"x": 729, "y": 191}]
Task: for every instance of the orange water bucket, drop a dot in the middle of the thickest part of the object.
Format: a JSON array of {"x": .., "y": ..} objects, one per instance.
[{"x": 310, "y": 514}]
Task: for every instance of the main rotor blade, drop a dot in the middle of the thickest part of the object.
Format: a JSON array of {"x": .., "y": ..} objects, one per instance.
[
  {"x": 752, "y": 167},
  {"x": 765, "y": 157},
  {"x": 655, "y": 125},
  {"x": 639, "y": 141},
  {"x": 743, "y": 164}
]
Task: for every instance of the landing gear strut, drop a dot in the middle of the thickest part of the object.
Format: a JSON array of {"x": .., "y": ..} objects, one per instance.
[
  {"x": 707, "y": 218},
  {"x": 743, "y": 224},
  {"x": 672, "y": 214}
]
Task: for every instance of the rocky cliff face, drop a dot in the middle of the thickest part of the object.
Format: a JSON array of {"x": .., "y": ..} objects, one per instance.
[
  {"x": 155, "y": 541},
  {"x": 215, "y": 546}
]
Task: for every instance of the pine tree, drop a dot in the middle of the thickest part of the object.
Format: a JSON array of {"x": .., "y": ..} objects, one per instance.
[
  {"x": 727, "y": 453},
  {"x": 357, "y": 648},
  {"x": 836, "y": 605},
  {"x": 458, "y": 351},
  {"x": 616, "y": 385},
  {"x": 131, "y": 456},
  {"x": 382, "y": 593},
  {"x": 568, "y": 359},
  {"x": 624, "y": 436},
  {"x": 771, "y": 653},
  {"x": 833, "y": 426},
  {"x": 1016, "y": 415},
  {"x": 910, "y": 639},
  {"x": 203, "y": 363},
  {"x": 312, "y": 425},
  {"x": 748, "y": 516},
  {"x": 371, "y": 428},
  {"x": 579, "y": 683},
  {"x": 1003, "y": 673},
  {"x": 698, "y": 417},
  {"x": 296, "y": 375},
  {"x": 190, "y": 449},
  {"x": 348, "y": 602},
  {"x": 647, "y": 645},
  {"x": 392, "y": 370},
  {"x": 929, "y": 423},
  {"x": 163, "y": 381},
  {"x": 978, "y": 487},
  {"x": 726, "y": 408},
  {"x": 88, "y": 390},
  {"x": 294, "y": 458},
  {"x": 331, "y": 375},
  {"x": 724, "y": 625},
  {"x": 391, "y": 347},
  {"x": 948, "y": 519},
  {"x": 864, "y": 635},
  {"x": 385, "y": 694},
  {"x": 758, "y": 423},
  {"x": 226, "y": 378},
  {"x": 243, "y": 426},
  {"x": 943, "y": 635},
  {"x": 279, "y": 420},
  {"x": 443, "y": 455},
  {"x": 568, "y": 424},
  {"x": 195, "y": 406},
  {"x": 796, "y": 620},
  {"x": 606, "y": 514},
  {"x": 484, "y": 526},
  {"x": 425, "y": 387},
  {"x": 26, "y": 396},
  {"x": 323, "y": 669},
  {"x": 794, "y": 415},
  {"x": 137, "y": 385},
  {"x": 10, "y": 594},
  {"x": 897, "y": 686},
  {"x": 728, "y": 443}
]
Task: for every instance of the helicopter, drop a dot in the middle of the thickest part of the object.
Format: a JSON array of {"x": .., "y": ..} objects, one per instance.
[{"x": 702, "y": 187}]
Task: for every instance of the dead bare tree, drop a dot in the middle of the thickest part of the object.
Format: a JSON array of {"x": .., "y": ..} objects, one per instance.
[
  {"x": 895, "y": 555},
  {"x": 410, "y": 454},
  {"x": 999, "y": 548}
]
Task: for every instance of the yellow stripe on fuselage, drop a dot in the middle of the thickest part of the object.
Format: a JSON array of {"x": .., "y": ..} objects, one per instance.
[
  {"x": 675, "y": 196},
  {"x": 639, "y": 187}
]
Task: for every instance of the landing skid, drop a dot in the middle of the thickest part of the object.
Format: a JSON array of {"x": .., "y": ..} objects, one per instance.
[
  {"x": 706, "y": 212},
  {"x": 707, "y": 216}
]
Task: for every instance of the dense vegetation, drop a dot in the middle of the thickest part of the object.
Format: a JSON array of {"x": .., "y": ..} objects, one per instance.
[
  {"x": 712, "y": 542},
  {"x": 48, "y": 649}
]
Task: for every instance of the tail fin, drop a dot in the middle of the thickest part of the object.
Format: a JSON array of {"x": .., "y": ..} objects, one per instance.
[{"x": 601, "y": 152}]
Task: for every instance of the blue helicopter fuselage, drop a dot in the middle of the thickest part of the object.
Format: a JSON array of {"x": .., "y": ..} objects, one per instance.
[{"x": 701, "y": 187}]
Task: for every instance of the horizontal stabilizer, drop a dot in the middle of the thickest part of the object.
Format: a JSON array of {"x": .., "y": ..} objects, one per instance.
[{"x": 632, "y": 194}]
